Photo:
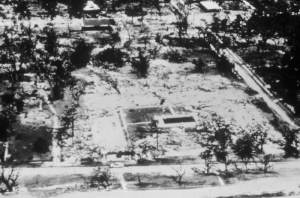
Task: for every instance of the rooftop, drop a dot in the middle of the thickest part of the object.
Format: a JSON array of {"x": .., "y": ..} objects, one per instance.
[
  {"x": 91, "y": 6},
  {"x": 210, "y": 5}
]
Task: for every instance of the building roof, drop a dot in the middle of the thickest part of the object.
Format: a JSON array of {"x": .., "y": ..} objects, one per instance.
[
  {"x": 210, "y": 5},
  {"x": 91, "y": 6}
]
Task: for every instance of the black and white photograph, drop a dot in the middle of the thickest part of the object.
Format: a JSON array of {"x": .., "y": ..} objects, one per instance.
[{"x": 149, "y": 98}]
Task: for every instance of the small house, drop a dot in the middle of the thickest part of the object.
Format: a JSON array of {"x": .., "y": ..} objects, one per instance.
[
  {"x": 91, "y": 10},
  {"x": 93, "y": 20},
  {"x": 210, "y": 6}
]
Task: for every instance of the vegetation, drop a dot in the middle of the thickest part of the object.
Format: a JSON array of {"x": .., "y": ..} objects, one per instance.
[
  {"x": 8, "y": 179},
  {"x": 291, "y": 141},
  {"x": 178, "y": 178},
  {"x": 265, "y": 160},
  {"x": 175, "y": 56},
  {"x": 141, "y": 64},
  {"x": 101, "y": 178},
  {"x": 199, "y": 65},
  {"x": 50, "y": 7},
  {"x": 41, "y": 146},
  {"x": 81, "y": 56},
  {"x": 22, "y": 8},
  {"x": 207, "y": 156},
  {"x": 244, "y": 148},
  {"x": 272, "y": 28},
  {"x": 181, "y": 13},
  {"x": 111, "y": 56}
]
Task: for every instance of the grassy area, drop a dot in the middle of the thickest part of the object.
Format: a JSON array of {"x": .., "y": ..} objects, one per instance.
[
  {"x": 160, "y": 181},
  {"x": 49, "y": 186}
]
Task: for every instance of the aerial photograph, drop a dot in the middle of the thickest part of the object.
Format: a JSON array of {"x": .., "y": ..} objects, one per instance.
[{"x": 149, "y": 98}]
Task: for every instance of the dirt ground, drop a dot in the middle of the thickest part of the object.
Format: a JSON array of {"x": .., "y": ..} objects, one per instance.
[{"x": 178, "y": 85}]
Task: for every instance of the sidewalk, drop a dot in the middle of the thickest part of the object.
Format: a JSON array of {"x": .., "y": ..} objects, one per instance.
[{"x": 288, "y": 172}]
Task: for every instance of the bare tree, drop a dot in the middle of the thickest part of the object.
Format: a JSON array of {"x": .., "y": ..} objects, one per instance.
[
  {"x": 180, "y": 172},
  {"x": 181, "y": 12},
  {"x": 8, "y": 179}
]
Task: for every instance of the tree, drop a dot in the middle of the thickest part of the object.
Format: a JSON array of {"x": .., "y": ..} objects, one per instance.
[
  {"x": 41, "y": 146},
  {"x": 51, "y": 45},
  {"x": 207, "y": 156},
  {"x": 81, "y": 56},
  {"x": 181, "y": 13},
  {"x": 67, "y": 125},
  {"x": 260, "y": 135},
  {"x": 217, "y": 138},
  {"x": 58, "y": 77},
  {"x": 102, "y": 177},
  {"x": 223, "y": 141},
  {"x": 141, "y": 64},
  {"x": 265, "y": 160},
  {"x": 215, "y": 26},
  {"x": 76, "y": 8},
  {"x": 135, "y": 9},
  {"x": 291, "y": 141},
  {"x": 178, "y": 178},
  {"x": 244, "y": 148},
  {"x": 101, "y": 3},
  {"x": 224, "y": 66},
  {"x": 50, "y": 7},
  {"x": 293, "y": 62},
  {"x": 8, "y": 179},
  {"x": 278, "y": 19},
  {"x": 111, "y": 56},
  {"x": 199, "y": 65},
  {"x": 148, "y": 146},
  {"x": 144, "y": 148},
  {"x": 21, "y": 7}
]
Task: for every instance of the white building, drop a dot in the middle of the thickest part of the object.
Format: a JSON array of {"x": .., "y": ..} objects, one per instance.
[{"x": 210, "y": 6}]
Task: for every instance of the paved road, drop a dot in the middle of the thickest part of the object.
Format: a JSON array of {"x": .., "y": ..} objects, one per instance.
[{"x": 288, "y": 171}]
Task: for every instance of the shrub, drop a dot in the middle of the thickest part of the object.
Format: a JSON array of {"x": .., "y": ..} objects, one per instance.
[
  {"x": 199, "y": 65},
  {"x": 134, "y": 10},
  {"x": 174, "y": 56},
  {"x": 101, "y": 178},
  {"x": 50, "y": 7},
  {"x": 224, "y": 66},
  {"x": 75, "y": 8},
  {"x": 111, "y": 55},
  {"x": 51, "y": 41},
  {"x": 290, "y": 143},
  {"x": 81, "y": 56},
  {"x": 22, "y": 8},
  {"x": 141, "y": 64}
]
